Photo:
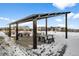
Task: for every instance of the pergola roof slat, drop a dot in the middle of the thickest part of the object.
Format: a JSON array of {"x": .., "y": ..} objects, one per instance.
[{"x": 38, "y": 16}]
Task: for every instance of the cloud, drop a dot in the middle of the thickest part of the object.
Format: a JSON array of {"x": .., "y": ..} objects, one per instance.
[
  {"x": 40, "y": 25},
  {"x": 4, "y": 21},
  {"x": 4, "y": 18},
  {"x": 61, "y": 25},
  {"x": 7, "y": 19},
  {"x": 71, "y": 26},
  {"x": 76, "y": 16},
  {"x": 63, "y": 5},
  {"x": 71, "y": 15},
  {"x": 26, "y": 24},
  {"x": 59, "y": 20}
]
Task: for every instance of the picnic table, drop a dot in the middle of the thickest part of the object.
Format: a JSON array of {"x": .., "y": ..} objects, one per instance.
[
  {"x": 24, "y": 34},
  {"x": 45, "y": 38}
]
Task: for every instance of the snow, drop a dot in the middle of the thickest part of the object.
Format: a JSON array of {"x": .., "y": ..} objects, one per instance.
[
  {"x": 8, "y": 47},
  {"x": 73, "y": 45},
  {"x": 61, "y": 46}
]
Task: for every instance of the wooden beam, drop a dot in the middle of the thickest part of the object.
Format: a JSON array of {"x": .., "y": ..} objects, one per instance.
[
  {"x": 42, "y": 16},
  {"x": 46, "y": 26},
  {"x": 66, "y": 31},
  {"x": 9, "y": 30},
  {"x": 35, "y": 34},
  {"x": 16, "y": 31}
]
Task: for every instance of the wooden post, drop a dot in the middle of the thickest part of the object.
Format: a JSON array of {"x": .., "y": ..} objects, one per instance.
[
  {"x": 46, "y": 26},
  {"x": 34, "y": 33},
  {"x": 16, "y": 31},
  {"x": 66, "y": 34},
  {"x": 9, "y": 30}
]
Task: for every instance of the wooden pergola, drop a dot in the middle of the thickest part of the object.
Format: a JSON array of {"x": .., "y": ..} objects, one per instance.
[{"x": 34, "y": 18}]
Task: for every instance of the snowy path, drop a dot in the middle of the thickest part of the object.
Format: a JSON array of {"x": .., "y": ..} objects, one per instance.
[
  {"x": 73, "y": 45},
  {"x": 73, "y": 48}
]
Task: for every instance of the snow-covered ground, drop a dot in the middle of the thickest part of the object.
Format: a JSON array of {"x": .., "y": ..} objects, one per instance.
[
  {"x": 72, "y": 42},
  {"x": 73, "y": 45},
  {"x": 62, "y": 46}
]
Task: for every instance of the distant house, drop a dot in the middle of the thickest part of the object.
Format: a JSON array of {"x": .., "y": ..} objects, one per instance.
[
  {"x": 43, "y": 28},
  {"x": 57, "y": 29},
  {"x": 21, "y": 28}
]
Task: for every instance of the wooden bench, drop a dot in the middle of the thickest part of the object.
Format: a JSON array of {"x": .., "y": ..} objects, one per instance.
[{"x": 23, "y": 34}]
